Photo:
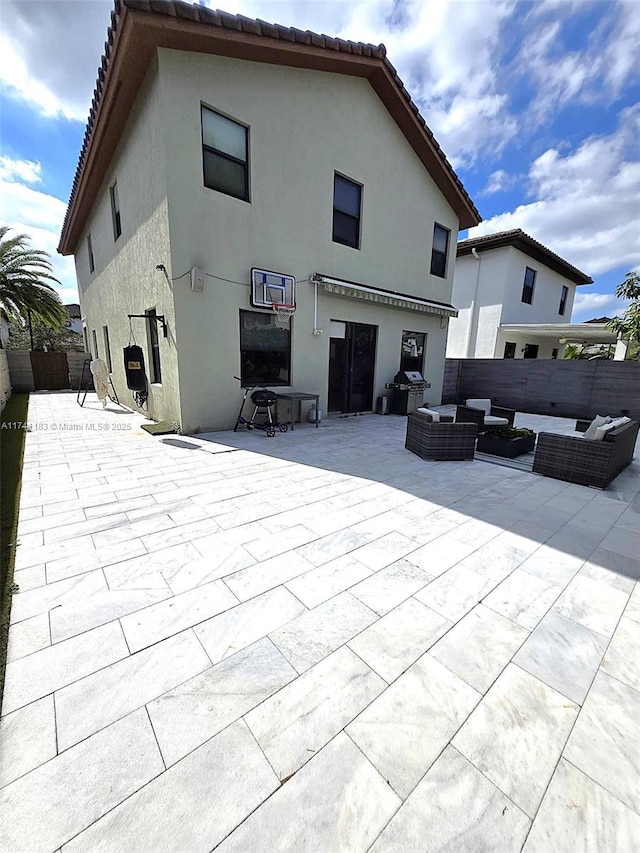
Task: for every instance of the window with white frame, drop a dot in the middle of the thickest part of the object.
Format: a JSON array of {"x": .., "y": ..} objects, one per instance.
[{"x": 225, "y": 155}]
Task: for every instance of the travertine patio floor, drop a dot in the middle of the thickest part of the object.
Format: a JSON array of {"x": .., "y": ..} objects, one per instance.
[{"x": 317, "y": 642}]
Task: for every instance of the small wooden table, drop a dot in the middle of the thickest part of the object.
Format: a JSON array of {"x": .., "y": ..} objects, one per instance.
[{"x": 297, "y": 397}]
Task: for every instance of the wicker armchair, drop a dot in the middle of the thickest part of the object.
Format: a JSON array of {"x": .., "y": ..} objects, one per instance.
[
  {"x": 489, "y": 417},
  {"x": 588, "y": 463},
  {"x": 442, "y": 441}
]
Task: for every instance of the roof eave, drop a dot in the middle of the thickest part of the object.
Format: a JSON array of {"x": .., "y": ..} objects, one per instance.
[
  {"x": 532, "y": 249},
  {"x": 134, "y": 38}
]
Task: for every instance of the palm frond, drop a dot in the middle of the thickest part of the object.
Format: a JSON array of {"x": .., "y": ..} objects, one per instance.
[{"x": 25, "y": 276}]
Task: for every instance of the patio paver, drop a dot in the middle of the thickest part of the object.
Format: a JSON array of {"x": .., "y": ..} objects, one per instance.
[{"x": 314, "y": 642}]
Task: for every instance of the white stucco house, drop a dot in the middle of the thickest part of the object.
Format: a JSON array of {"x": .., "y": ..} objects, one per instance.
[
  {"x": 514, "y": 298},
  {"x": 228, "y": 164}
]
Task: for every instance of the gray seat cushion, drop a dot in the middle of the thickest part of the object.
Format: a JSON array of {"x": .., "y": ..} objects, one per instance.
[{"x": 492, "y": 420}]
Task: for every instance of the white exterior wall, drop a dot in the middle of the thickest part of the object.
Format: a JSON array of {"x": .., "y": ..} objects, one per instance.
[
  {"x": 498, "y": 301},
  {"x": 303, "y": 127},
  {"x": 478, "y": 294},
  {"x": 546, "y": 294},
  {"x": 125, "y": 280}
]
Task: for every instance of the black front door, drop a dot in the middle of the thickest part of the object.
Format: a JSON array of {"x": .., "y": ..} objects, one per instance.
[{"x": 351, "y": 368}]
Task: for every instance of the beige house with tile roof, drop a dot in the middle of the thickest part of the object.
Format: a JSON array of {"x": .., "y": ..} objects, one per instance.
[{"x": 223, "y": 158}]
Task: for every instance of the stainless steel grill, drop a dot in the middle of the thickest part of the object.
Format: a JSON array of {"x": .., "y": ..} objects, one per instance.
[{"x": 408, "y": 389}]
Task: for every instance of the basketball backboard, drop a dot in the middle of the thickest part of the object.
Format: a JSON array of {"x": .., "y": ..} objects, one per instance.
[{"x": 269, "y": 288}]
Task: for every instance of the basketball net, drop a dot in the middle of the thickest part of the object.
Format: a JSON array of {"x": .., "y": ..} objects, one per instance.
[{"x": 283, "y": 314}]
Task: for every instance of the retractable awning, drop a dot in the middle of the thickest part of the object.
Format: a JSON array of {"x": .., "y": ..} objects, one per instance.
[
  {"x": 384, "y": 297},
  {"x": 566, "y": 333}
]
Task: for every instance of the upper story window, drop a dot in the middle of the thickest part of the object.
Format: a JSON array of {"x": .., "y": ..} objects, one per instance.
[
  {"x": 529, "y": 284},
  {"x": 92, "y": 264},
  {"x": 225, "y": 155},
  {"x": 563, "y": 300},
  {"x": 439, "y": 250},
  {"x": 115, "y": 211},
  {"x": 347, "y": 203},
  {"x": 509, "y": 350}
]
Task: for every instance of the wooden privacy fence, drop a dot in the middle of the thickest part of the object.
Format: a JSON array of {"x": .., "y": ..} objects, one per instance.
[
  {"x": 567, "y": 388},
  {"x": 44, "y": 371}
]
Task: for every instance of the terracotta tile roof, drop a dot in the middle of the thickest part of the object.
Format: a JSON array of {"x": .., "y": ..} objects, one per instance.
[
  {"x": 522, "y": 241},
  {"x": 263, "y": 38}
]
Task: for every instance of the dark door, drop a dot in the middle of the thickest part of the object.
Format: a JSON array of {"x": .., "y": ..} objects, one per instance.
[
  {"x": 50, "y": 371},
  {"x": 351, "y": 366}
]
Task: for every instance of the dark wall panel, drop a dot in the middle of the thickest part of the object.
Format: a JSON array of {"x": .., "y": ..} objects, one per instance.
[{"x": 571, "y": 388}]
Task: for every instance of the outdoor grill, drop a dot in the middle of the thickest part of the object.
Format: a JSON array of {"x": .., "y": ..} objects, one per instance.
[{"x": 408, "y": 388}]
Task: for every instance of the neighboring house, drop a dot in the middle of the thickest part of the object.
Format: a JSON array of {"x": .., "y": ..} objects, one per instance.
[
  {"x": 514, "y": 299},
  {"x": 74, "y": 314},
  {"x": 218, "y": 144}
]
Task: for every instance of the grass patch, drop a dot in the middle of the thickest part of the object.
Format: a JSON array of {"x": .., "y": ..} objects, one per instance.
[{"x": 12, "y": 440}]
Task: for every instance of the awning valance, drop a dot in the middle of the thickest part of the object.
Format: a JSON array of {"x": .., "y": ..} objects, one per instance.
[{"x": 383, "y": 297}]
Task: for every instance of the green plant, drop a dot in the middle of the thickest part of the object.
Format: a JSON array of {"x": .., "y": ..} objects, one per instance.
[
  {"x": 11, "y": 451},
  {"x": 511, "y": 432},
  {"x": 628, "y": 325},
  {"x": 25, "y": 291},
  {"x": 63, "y": 339}
]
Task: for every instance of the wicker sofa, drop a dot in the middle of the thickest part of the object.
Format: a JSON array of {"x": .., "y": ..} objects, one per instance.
[
  {"x": 588, "y": 463},
  {"x": 442, "y": 441}
]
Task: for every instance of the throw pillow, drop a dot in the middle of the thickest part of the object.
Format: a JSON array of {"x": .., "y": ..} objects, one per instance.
[
  {"x": 598, "y": 421},
  {"x": 620, "y": 421},
  {"x": 603, "y": 430}
]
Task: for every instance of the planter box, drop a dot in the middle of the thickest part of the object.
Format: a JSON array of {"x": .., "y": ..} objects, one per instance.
[{"x": 507, "y": 447}]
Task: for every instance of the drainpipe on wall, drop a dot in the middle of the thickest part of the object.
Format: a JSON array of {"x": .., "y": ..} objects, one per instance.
[{"x": 472, "y": 309}]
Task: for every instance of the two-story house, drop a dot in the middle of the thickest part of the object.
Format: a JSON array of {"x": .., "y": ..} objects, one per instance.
[
  {"x": 229, "y": 164},
  {"x": 514, "y": 298}
]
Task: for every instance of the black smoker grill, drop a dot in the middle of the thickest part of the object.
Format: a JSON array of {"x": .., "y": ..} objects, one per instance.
[{"x": 408, "y": 388}]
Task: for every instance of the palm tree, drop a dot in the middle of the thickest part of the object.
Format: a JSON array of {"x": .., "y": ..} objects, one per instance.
[{"x": 24, "y": 288}]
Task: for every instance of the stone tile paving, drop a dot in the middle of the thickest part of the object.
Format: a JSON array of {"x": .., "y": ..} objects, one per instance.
[{"x": 316, "y": 642}]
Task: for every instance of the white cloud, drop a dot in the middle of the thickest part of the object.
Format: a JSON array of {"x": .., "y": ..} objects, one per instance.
[
  {"x": 587, "y": 306},
  {"x": 447, "y": 53},
  {"x": 50, "y": 51},
  {"x": 586, "y": 206},
  {"x": 499, "y": 181},
  {"x": 28, "y": 171},
  {"x": 594, "y": 74},
  {"x": 39, "y": 216}
]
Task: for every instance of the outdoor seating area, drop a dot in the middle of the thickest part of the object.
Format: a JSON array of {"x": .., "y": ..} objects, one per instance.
[
  {"x": 440, "y": 435},
  {"x": 580, "y": 460},
  {"x": 400, "y": 652}
]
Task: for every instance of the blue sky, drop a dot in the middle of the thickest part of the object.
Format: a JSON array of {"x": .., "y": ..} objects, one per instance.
[{"x": 536, "y": 105}]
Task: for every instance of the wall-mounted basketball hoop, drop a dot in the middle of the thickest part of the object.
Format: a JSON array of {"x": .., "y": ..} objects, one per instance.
[
  {"x": 283, "y": 313},
  {"x": 272, "y": 288}
]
